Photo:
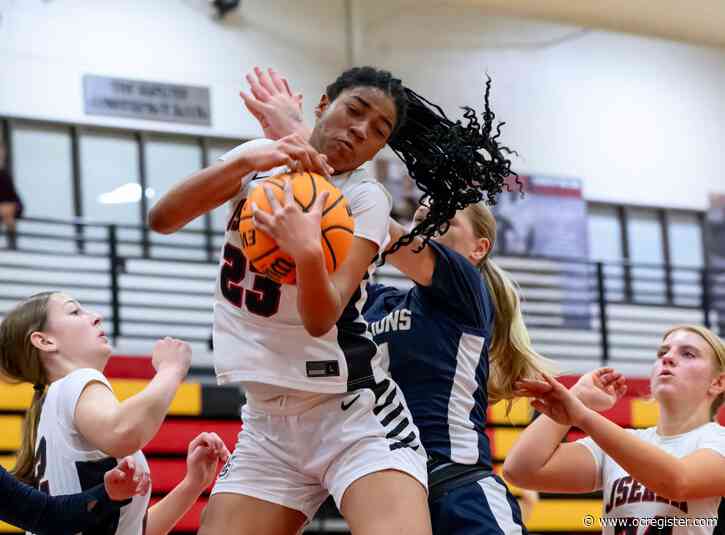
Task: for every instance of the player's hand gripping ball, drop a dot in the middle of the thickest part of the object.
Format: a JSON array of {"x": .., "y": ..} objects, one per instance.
[{"x": 337, "y": 225}]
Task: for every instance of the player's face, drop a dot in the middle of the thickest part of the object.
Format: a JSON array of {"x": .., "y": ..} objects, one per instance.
[
  {"x": 354, "y": 127},
  {"x": 684, "y": 369},
  {"x": 460, "y": 236},
  {"x": 77, "y": 333}
]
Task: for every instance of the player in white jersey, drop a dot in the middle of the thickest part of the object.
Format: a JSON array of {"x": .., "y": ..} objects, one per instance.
[
  {"x": 664, "y": 479},
  {"x": 77, "y": 430},
  {"x": 323, "y": 417}
]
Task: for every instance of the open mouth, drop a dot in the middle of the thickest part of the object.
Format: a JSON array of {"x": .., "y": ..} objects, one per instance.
[{"x": 666, "y": 373}]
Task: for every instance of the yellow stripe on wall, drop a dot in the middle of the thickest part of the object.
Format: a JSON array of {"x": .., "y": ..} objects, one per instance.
[
  {"x": 565, "y": 515},
  {"x": 187, "y": 401},
  {"x": 7, "y": 461},
  {"x": 503, "y": 440},
  {"x": 644, "y": 413},
  {"x": 15, "y": 397},
  {"x": 11, "y": 432},
  {"x": 7, "y": 528},
  {"x": 520, "y": 413}
]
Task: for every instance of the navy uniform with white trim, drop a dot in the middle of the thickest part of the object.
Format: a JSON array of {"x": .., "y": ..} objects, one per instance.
[
  {"x": 322, "y": 411},
  {"x": 436, "y": 339}
]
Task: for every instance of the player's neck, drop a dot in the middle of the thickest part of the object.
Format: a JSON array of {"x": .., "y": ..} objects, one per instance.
[{"x": 678, "y": 418}]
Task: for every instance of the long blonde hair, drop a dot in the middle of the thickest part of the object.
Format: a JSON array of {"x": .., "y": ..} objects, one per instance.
[
  {"x": 512, "y": 357},
  {"x": 20, "y": 362},
  {"x": 718, "y": 349}
]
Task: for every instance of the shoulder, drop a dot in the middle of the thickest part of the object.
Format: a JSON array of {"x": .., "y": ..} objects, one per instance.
[
  {"x": 75, "y": 382},
  {"x": 712, "y": 431},
  {"x": 247, "y": 145},
  {"x": 361, "y": 184}
]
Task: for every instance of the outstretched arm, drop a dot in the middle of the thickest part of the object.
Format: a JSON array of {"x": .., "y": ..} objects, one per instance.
[
  {"x": 698, "y": 475},
  {"x": 539, "y": 460},
  {"x": 27, "y": 508}
]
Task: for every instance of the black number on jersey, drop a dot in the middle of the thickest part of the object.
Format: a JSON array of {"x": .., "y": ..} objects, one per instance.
[
  {"x": 261, "y": 299},
  {"x": 41, "y": 464}
]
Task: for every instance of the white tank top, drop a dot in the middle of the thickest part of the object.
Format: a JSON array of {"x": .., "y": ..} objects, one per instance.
[
  {"x": 259, "y": 336},
  {"x": 66, "y": 463}
]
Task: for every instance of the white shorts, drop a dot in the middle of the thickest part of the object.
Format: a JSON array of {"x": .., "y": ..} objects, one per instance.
[{"x": 298, "y": 460}]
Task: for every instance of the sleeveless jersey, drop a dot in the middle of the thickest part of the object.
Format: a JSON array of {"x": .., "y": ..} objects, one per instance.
[
  {"x": 66, "y": 463},
  {"x": 436, "y": 339}
]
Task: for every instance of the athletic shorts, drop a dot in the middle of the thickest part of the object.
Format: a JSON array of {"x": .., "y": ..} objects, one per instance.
[
  {"x": 299, "y": 460},
  {"x": 483, "y": 506}
]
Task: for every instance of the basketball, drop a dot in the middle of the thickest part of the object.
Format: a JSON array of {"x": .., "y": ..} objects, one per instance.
[{"x": 337, "y": 225}]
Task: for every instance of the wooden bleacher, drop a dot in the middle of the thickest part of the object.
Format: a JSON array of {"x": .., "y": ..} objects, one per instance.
[{"x": 205, "y": 407}]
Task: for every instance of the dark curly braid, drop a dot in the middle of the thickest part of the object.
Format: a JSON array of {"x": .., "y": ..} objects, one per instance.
[{"x": 455, "y": 165}]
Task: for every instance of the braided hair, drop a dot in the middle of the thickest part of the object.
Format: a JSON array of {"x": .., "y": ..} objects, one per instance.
[{"x": 454, "y": 164}]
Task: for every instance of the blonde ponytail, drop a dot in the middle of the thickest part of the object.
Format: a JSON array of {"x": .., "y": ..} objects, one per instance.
[
  {"x": 511, "y": 354},
  {"x": 20, "y": 362}
]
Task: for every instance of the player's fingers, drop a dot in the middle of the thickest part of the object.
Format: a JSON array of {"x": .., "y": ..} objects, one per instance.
[
  {"x": 278, "y": 82},
  {"x": 320, "y": 202},
  {"x": 261, "y": 219},
  {"x": 264, "y": 81},
  {"x": 144, "y": 484},
  {"x": 289, "y": 198},
  {"x": 256, "y": 88},
  {"x": 274, "y": 204}
]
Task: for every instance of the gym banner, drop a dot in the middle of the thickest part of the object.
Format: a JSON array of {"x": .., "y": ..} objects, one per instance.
[
  {"x": 546, "y": 216},
  {"x": 137, "y": 99}
]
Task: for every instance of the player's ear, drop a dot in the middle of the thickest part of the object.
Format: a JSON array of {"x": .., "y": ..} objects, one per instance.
[
  {"x": 43, "y": 341},
  {"x": 483, "y": 246}
]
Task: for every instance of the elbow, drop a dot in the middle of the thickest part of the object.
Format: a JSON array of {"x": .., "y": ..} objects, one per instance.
[
  {"x": 512, "y": 473},
  {"x": 157, "y": 223},
  {"x": 675, "y": 488},
  {"x": 124, "y": 442}
]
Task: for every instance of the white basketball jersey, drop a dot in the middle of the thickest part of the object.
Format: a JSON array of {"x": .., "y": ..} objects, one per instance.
[
  {"x": 258, "y": 333},
  {"x": 626, "y": 499},
  {"x": 65, "y": 463}
]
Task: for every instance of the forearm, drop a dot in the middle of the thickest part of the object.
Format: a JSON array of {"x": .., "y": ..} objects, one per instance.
[
  {"x": 29, "y": 509},
  {"x": 418, "y": 266},
  {"x": 533, "y": 449},
  {"x": 318, "y": 300},
  {"x": 140, "y": 416},
  {"x": 201, "y": 192},
  {"x": 648, "y": 464},
  {"x": 163, "y": 516}
]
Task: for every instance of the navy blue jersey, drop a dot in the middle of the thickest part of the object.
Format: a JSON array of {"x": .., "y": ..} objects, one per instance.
[{"x": 436, "y": 338}]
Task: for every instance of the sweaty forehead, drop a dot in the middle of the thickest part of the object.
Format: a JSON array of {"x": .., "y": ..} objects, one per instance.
[{"x": 380, "y": 102}]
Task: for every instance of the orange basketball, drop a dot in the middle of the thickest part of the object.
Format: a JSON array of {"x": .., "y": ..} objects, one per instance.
[{"x": 337, "y": 225}]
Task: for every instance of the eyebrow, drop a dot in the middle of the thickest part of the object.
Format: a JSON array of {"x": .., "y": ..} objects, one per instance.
[
  {"x": 691, "y": 348},
  {"x": 72, "y": 301},
  {"x": 366, "y": 104}
]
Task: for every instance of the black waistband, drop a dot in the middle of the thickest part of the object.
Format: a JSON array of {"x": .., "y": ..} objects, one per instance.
[{"x": 444, "y": 476}]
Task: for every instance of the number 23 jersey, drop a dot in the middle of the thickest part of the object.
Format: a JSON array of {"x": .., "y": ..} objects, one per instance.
[{"x": 258, "y": 333}]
